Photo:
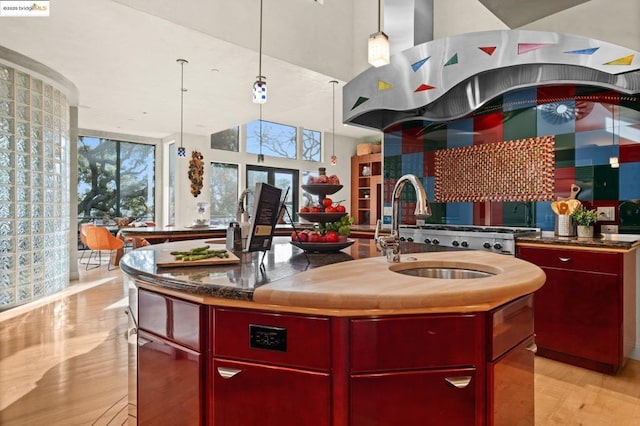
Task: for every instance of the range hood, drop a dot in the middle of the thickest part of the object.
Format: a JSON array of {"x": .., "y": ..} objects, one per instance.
[{"x": 449, "y": 78}]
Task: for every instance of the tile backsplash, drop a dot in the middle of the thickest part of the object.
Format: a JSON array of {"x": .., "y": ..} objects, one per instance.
[{"x": 590, "y": 126}]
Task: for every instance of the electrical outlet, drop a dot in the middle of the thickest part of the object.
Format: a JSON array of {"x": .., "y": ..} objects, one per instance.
[{"x": 606, "y": 214}]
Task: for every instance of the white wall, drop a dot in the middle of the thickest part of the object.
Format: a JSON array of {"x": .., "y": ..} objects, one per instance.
[
  {"x": 186, "y": 210},
  {"x": 596, "y": 19}
]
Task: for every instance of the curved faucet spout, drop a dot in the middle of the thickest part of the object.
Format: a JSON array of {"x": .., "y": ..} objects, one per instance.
[
  {"x": 391, "y": 245},
  {"x": 422, "y": 210}
]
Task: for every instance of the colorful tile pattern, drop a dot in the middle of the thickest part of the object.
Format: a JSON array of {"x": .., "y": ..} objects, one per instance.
[{"x": 582, "y": 146}]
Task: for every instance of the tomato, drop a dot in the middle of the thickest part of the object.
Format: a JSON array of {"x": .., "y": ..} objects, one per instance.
[
  {"x": 327, "y": 202},
  {"x": 315, "y": 209},
  {"x": 322, "y": 239},
  {"x": 330, "y": 209},
  {"x": 304, "y": 209},
  {"x": 332, "y": 237},
  {"x": 303, "y": 236},
  {"x": 340, "y": 208},
  {"x": 294, "y": 236},
  {"x": 314, "y": 237}
]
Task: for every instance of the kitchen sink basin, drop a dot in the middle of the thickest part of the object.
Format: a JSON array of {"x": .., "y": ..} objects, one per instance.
[{"x": 446, "y": 272}]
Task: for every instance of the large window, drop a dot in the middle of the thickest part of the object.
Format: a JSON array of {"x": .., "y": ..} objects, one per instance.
[
  {"x": 285, "y": 179},
  {"x": 115, "y": 178},
  {"x": 227, "y": 140},
  {"x": 278, "y": 140},
  {"x": 224, "y": 193},
  {"x": 311, "y": 144}
]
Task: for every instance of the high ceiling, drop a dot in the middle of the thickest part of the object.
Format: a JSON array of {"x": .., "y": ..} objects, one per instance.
[{"x": 123, "y": 63}]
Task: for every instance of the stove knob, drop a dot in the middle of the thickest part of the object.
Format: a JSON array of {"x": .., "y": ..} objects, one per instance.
[
  {"x": 410, "y": 239},
  {"x": 465, "y": 244},
  {"x": 435, "y": 241},
  {"x": 455, "y": 243},
  {"x": 486, "y": 245},
  {"x": 401, "y": 238},
  {"x": 427, "y": 241},
  {"x": 497, "y": 246}
]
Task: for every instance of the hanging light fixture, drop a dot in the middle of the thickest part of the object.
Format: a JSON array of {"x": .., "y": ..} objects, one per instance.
[
  {"x": 182, "y": 152},
  {"x": 334, "y": 159},
  {"x": 260, "y": 155},
  {"x": 260, "y": 85},
  {"x": 613, "y": 160},
  {"x": 379, "y": 45}
]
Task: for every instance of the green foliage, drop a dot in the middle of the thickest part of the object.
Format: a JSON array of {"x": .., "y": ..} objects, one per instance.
[
  {"x": 342, "y": 226},
  {"x": 584, "y": 217}
]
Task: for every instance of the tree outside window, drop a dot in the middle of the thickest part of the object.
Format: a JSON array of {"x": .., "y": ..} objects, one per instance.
[
  {"x": 278, "y": 140},
  {"x": 115, "y": 178},
  {"x": 311, "y": 145}
]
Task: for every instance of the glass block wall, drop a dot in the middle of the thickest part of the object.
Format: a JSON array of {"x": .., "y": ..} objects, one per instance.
[{"x": 34, "y": 188}]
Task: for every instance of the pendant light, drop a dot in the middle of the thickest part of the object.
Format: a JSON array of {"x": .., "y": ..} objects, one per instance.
[
  {"x": 613, "y": 160},
  {"x": 334, "y": 159},
  {"x": 260, "y": 155},
  {"x": 182, "y": 152},
  {"x": 379, "y": 45},
  {"x": 260, "y": 85}
]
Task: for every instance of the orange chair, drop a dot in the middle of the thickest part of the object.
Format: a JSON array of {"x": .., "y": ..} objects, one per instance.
[
  {"x": 98, "y": 239},
  {"x": 83, "y": 237}
]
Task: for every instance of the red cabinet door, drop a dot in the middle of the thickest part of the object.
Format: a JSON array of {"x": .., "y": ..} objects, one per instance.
[
  {"x": 169, "y": 386},
  {"x": 511, "y": 392},
  {"x": 578, "y": 313},
  {"x": 251, "y": 394},
  {"x": 415, "y": 398}
]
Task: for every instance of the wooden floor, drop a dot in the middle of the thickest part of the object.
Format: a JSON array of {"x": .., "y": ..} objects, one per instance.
[{"x": 63, "y": 361}]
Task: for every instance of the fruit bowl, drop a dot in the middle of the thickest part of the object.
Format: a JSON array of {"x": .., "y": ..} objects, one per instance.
[
  {"x": 321, "y": 217},
  {"x": 322, "y": 247},
  {"x": 322, "y": 189}
]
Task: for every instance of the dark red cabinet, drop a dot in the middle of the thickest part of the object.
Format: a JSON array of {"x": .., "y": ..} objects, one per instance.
[
  {"x": 202, "y": 364},
  {"x": 170, "y": 389},
  {"x": 415, "y": 398},
  {"x": 267, "y": 395},
  {"x": 582, "y": 313}
]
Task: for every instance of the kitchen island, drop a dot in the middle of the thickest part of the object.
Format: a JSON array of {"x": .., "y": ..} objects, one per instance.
[{"x": 341, "y": 340}]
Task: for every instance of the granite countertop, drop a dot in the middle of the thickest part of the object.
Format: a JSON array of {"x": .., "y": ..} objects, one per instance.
[
  {"x": 355, "y": 278},
  {"x": 603, "y": 241},
  {"x": 239, "y": 281}
]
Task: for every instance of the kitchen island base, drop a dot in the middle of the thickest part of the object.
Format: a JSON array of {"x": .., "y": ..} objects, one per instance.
[{"x": 225, "y": 365}]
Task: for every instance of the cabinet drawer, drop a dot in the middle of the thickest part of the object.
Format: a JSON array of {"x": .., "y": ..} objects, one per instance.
[
  {"x": 174, "y": 319},
  {"x": 510, "y": 324},
  {"x": 415, "y": 342},
  {"x": 591, "y": 261},
  {"x": 291, "y": 340}
]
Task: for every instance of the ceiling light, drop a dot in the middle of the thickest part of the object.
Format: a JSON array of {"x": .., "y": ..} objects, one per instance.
[
  {"x": 182, "y": 152},
  {"x": 379, "y": 45},
  {"x": 260, "y": 85}
]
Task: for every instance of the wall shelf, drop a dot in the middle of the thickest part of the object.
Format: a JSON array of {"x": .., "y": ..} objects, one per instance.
[{"x": 366, "y": 188}]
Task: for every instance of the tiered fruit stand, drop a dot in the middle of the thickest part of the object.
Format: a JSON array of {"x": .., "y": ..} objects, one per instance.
[{"x": 321, "y": 191}]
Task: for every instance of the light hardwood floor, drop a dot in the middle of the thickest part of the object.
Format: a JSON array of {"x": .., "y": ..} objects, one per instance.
[{"x": 63, "y": 361}]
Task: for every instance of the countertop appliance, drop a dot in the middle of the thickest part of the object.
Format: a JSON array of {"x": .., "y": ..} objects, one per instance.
[{"x": 496, "y": 239}]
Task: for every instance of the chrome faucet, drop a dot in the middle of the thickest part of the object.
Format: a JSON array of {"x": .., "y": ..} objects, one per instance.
[
  {"x": 390, "y": 245},
  {"x": 241, "y": 213}
]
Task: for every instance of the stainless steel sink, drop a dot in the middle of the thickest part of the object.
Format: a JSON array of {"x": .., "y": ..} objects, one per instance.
[
  {"x": 444, "y": 273},
  {"x": 445, "y": 270}
]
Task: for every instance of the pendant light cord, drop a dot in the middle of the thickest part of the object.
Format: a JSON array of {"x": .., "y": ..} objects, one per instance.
[
  {"x": 333, "y": 120},
  {"x": 260, "y": 48},
  {"x": 261, "y": 128},
  {"x": 182, "y": 62},
  {"x": 379, "y": 15}
]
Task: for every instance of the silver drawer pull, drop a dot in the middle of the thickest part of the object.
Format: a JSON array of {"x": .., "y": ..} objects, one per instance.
[
  {"x": 532, "y": 347},
  {"x": 564, "y": 259},
  {"x": 142, "y": 341},
  {"x": 459, "y": 382},
  {"x": 228, "y": 373}
]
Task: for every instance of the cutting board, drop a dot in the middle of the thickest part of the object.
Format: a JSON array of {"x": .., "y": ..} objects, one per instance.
[{"x": 167, "y": 260}]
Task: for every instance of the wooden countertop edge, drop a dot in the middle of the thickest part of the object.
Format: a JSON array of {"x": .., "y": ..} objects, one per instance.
[
  {"x": 246, "y": 304},
  {"x": 577, "y": 247}
]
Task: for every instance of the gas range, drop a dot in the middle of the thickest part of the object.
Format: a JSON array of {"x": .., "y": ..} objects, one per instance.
[{"x": 496, "y": 239}]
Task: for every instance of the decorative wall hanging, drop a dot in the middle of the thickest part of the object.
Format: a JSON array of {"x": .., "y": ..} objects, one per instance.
[
  {"x": 519, "y": 170},
  {"x": 196, "y": 172}
]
